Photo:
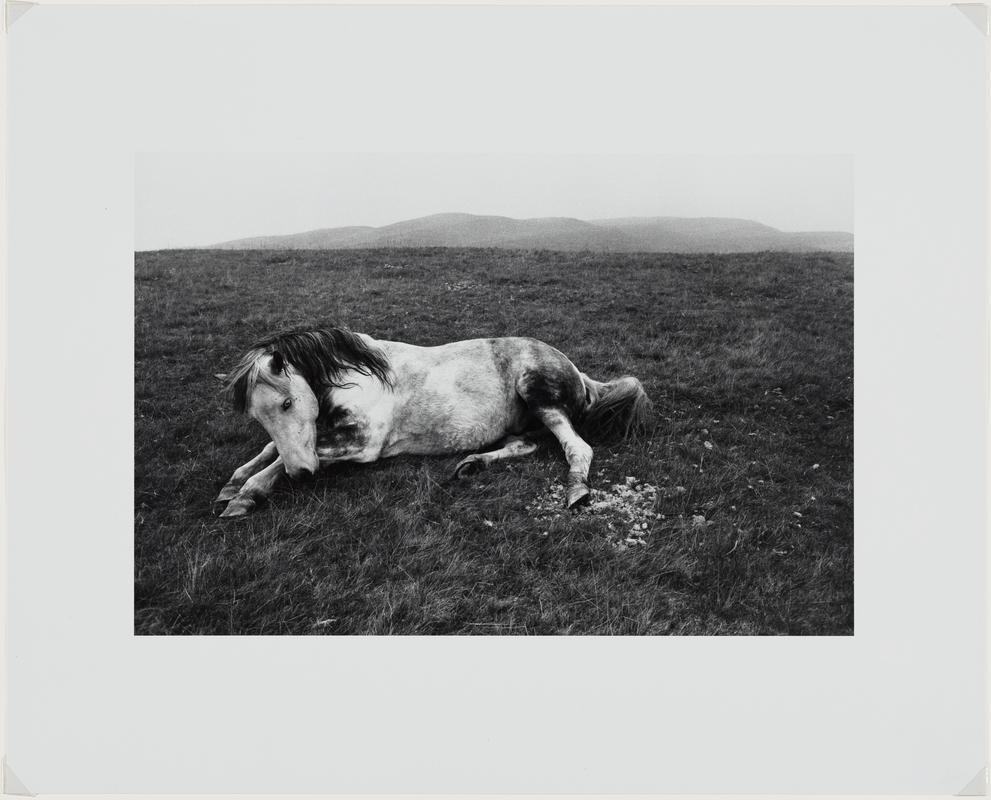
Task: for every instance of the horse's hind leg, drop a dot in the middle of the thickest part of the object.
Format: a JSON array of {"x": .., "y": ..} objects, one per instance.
[
  {"x": 255, "y": 489},
  {"x": 512, "y": 447},
  {"x": 245, "y": 471},
  {"x": 576, "y": 450}
]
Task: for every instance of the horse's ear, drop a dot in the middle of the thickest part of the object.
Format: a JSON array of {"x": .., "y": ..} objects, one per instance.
[
  {"x": 278, "y": 363},
  {"x": 220, "y": 376}
]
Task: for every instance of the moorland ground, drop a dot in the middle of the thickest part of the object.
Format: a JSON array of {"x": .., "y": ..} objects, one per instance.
[{"x": 749, "y": 362}]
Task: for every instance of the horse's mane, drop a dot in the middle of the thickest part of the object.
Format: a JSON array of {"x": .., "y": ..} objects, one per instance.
[{"x": 319, "y": 355}]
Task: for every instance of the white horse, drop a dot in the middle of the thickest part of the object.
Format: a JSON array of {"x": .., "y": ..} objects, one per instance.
[{"x": 327, "y": 394}]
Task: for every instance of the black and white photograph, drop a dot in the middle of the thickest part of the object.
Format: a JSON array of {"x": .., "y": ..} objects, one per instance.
[
  {"x": 499, "y": 400},
  {"x": 493, "y": 394}
]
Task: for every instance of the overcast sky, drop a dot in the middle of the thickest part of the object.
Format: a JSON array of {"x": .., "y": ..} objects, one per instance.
[{"x": 186, "y": 200}]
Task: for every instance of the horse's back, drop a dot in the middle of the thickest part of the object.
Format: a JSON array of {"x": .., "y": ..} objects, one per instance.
[
  {"x": 468, "y": 394},
  {"x": 482, "y": 364}
]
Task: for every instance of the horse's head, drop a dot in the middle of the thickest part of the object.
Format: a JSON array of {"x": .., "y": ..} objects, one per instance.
[
  {"x": 284, "y": 379},
  {"x": 270, "y": 390},
  {"x": 287, "y": 409}
]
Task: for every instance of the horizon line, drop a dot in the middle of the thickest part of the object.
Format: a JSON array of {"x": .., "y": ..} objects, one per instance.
[{"x": 498, "y": 216}]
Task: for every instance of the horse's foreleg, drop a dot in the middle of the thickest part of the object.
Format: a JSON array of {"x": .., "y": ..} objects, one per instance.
[
  {"x": 512, "y": 447},
  {"x": 255, "y": 489},
  {"x": 576, "y": 450},
  {"x": 245, "y": 471}
]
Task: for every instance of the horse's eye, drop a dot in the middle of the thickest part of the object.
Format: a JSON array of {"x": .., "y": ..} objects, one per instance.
[{"x": 287, "y": 404}]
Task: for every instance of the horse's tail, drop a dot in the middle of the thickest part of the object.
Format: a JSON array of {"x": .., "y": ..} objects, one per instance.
[{"x": 619, "y": 408}]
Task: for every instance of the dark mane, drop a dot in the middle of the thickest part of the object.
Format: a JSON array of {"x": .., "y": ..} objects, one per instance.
[{"x": 319, "y": 355}]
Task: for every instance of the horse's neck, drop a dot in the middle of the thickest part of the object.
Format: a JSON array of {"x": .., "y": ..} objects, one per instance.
[{"x": 354, "y": 387}]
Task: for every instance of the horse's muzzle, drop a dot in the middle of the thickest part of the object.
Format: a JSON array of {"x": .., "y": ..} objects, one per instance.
[{"x": 301, "y": 475}]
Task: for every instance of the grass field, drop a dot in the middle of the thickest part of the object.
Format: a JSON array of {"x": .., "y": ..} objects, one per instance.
[{"x": 749, "y": 362}]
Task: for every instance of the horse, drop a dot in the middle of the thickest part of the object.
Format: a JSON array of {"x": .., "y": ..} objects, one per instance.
[{"x": 328, "y": 394}]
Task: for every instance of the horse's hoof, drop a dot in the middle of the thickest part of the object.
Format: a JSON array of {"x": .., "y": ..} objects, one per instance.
[
  {"x": 468, "y": 467},
  {"x": 578, "y": 494},
  {"x": 239, "y": 507},
  {"x": 229, "y": 492}
]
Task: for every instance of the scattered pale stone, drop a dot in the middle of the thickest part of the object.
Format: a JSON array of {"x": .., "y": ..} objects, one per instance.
[
  {"x": 708, "y": 445},
  {"x": 630, "y": 505}
]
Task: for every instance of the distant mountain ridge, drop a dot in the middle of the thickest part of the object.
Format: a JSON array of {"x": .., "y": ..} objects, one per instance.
[{"x": 628, "y": 234}]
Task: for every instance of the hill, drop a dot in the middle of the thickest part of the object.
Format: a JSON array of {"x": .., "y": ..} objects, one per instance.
[{"x": 625, "y": 235}]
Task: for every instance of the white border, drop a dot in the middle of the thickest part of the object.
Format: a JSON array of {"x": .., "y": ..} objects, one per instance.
[{"x": 897, "y": 4}]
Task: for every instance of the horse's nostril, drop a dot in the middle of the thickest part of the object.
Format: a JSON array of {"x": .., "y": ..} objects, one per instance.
[{"x": 302, "y": 475}]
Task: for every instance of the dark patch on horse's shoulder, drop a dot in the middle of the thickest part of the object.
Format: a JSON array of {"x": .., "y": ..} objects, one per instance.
[
  {"x": 345, "y": 437},
  {"x": 342, "y": 428},
  {"x": 332, "y": 417}
]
